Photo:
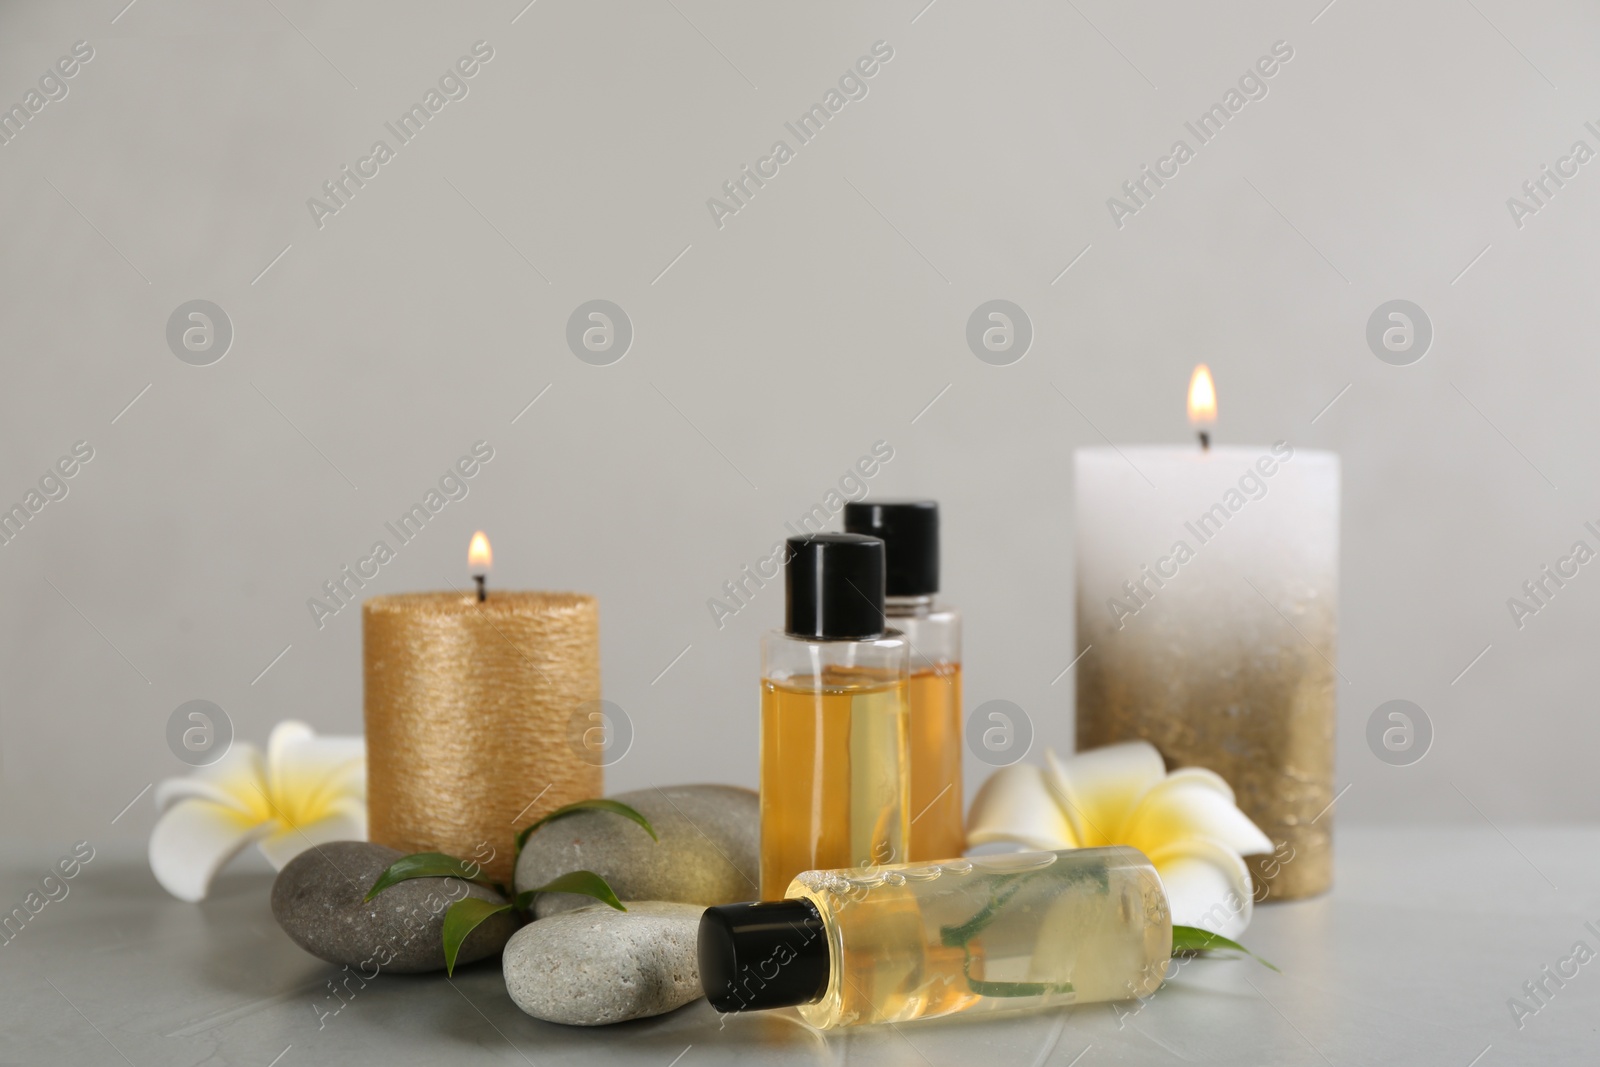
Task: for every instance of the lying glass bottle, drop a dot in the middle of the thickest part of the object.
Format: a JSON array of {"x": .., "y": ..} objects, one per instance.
[{"x": 920, "y": 941}]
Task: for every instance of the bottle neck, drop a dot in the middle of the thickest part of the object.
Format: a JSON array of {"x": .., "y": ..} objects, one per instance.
[{"x": 903, "y": 606}]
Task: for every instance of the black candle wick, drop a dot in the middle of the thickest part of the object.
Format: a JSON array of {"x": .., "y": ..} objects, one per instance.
[{"x": 483, "y": 594}]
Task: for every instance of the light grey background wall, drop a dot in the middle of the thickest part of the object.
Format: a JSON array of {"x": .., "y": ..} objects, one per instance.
[{"x": 772, "y": 351}]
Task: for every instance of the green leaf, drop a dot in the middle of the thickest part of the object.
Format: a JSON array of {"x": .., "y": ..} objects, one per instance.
[
  {"x": 1006, "y": 886},
  {"x": 1016, "y": 989},
  {"x": 465, "y": 916},
  {"x": 616, "y": 807},
  {"x": 427, "y": 865},
  {"x": 985, "y": 988},
  {"x": 1194, "y": 939},
  {"x": 585, "y": 883}
]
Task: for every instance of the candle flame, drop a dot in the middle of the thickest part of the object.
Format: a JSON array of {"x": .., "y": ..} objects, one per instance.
[
  {"x": 480, "y": 557},
  {"x": 1202, "y": 397}
]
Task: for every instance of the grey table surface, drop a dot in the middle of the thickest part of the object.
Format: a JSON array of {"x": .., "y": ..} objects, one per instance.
[{"x": 1412, "y": 959}]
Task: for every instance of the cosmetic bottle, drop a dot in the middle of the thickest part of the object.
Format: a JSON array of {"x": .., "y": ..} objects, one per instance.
[
  {"x": 833, "y": 717},
  {"x": 988, "y": 934},
  {"x": 910, "y": 533}
]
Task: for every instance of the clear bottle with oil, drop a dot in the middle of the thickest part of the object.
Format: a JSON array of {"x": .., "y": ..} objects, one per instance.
[
  {"x": 988, "y": 934},
  {"x": 834, "y": 788},
  {"x": 910, "y": 533}
]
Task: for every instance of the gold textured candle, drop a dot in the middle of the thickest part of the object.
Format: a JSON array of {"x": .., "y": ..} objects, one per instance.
[{"x": 469, "y": 707}]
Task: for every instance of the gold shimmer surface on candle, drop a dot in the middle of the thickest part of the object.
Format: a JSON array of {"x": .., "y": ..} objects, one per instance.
[
  {"x": 1260, "y": 712},
  {"x": 469, "y": 709}
]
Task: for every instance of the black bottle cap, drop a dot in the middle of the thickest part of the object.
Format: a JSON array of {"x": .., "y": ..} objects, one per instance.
[
  {"x": 910, "y": 532},
  {"x": 773, "y": 954},
  {"x": 834, "y": 583}
]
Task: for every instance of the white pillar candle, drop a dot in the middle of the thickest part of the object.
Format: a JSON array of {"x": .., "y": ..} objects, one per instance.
[{"x": 1207, "y": 590}]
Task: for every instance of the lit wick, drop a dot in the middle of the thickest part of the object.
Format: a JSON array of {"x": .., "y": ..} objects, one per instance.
[
  {"x": 1202, "y": 404},
  {"x": 480, "y": 558}
]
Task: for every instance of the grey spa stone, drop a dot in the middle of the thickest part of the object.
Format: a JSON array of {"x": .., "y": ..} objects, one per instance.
[
  {"x": 597, "y": 965},
  {"x": 317, "y": 900},
  {"x": 709, "y": 850}
]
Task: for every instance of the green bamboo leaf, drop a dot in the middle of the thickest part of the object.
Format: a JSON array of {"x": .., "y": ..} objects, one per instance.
[
  {"x": 427, "y": 865},
  {"x": 985, "y": 988},
  {"x": 616, "y": 807},
  {"x": 1016, "y": 989},
  {"x": 1194, "y": 939},
  {"x": 586, "y": 883},
  {"x": 1005, "y": 887},
  {"x": 465, "y": 916}
]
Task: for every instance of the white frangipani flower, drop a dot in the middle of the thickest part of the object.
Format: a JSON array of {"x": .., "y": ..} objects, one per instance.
[
  {"x": 306, "y": 791},
  {"x": 1186, "y": 822}
]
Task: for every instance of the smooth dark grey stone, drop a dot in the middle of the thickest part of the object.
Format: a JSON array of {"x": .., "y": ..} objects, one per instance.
[{"x": 317, "y": 900}]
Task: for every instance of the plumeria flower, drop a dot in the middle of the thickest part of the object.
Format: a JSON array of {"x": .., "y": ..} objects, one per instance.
[
  {"x": 1186, "y": 822},
  {"x": 306, "y": 791}
]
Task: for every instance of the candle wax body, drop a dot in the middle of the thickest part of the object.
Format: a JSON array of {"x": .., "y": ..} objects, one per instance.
[
  {"x": 1207, "y": 586},
  {"x": 476, "y": 717}
]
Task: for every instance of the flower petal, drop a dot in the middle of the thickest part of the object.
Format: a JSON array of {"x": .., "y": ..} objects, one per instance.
[
  {"x": 346, "y": 820},
  {"x": 1204, "y": 776},
  {"x": 1186, "y": 806},
  {"x": 348, "y": 778},
  {"x": 1207, "y": 885},
  {"x": 1101, "y": 786},
  {"x": 307, "y": 772},
  {"x": 294, "y": 749},
  {"x": 192, "y": 841},
  {"x": 235, "y": 781},
  {"x": 1016, "y": 805}
]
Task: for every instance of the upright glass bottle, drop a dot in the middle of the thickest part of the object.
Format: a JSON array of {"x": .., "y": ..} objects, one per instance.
[
  {"x": 988, "y": 934},
  {"x": 910, "y": 533},
  {"x": 833, "y": 717}
]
